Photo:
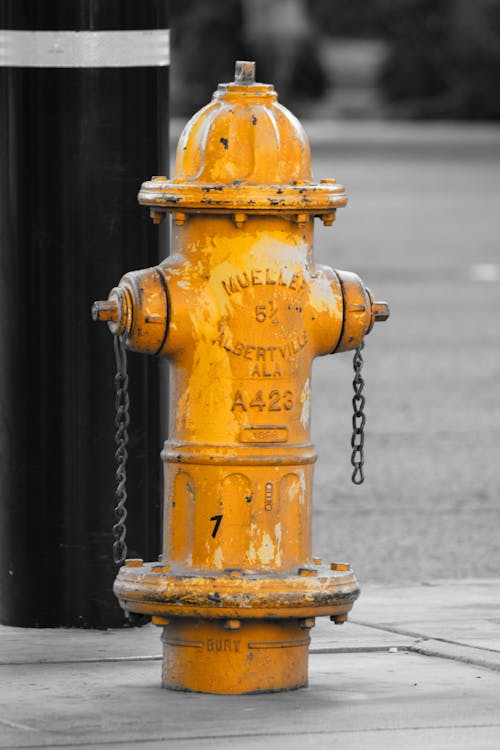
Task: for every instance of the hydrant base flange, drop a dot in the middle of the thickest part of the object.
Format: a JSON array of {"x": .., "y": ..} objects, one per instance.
[{"x": 313, "y": 591}]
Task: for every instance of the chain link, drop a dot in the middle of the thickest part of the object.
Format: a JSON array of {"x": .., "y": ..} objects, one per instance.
[
  {"x": 358, "y": 418},
  {"x": 121, "y": 439}
]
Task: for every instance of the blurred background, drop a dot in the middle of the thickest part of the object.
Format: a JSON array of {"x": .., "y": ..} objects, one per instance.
[
  {"x": 421, "y": 59},
  {"x": 401, "y": 102}
]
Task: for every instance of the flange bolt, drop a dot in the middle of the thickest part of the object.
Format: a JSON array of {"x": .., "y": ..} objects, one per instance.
[{"x": 339, "y": 566}]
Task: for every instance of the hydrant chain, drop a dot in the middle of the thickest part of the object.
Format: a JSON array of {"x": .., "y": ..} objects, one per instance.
[
  {"x": 121, "y": 439},
  {"x": 358, "y": 418}
]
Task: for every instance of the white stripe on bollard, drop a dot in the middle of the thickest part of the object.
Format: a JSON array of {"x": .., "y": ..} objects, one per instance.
[{"x": 84, "y": 49}]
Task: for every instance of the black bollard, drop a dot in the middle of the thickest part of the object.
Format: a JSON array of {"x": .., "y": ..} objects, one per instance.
[{"x": 84, "y": 119}]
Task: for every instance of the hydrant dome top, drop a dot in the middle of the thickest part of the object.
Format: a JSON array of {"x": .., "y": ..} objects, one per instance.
[
  {"x": 243, "y": 151},
  {"x": 244, "y": 135}
]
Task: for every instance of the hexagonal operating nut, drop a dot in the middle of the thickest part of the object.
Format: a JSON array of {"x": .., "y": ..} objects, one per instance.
[
  {"x": 114, "y": 311},
  {"x": 106, "y": 310},
  {"x": 381, "y": 311},
  {"x": 244, "y": 72}
]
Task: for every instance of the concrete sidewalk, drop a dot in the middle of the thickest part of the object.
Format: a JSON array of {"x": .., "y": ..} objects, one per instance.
[{"x": 418, "y": 666}]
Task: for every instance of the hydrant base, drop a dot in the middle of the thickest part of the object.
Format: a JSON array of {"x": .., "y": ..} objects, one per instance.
[{"x": 260, "y": 656}]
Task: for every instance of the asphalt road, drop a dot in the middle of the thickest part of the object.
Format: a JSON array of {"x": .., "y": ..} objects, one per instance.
[{"x": 422, "y": 230}]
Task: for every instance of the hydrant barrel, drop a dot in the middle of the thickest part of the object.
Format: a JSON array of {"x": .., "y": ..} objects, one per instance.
[{"x": 241, "y": 310}]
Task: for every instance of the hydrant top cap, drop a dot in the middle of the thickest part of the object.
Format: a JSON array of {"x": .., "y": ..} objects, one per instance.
[
  {"x": 244, "y": 84},
  {"x": 243, "y": 152}
]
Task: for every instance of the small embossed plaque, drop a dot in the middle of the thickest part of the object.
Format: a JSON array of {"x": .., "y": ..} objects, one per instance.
[{"x": 264, "y": 434}]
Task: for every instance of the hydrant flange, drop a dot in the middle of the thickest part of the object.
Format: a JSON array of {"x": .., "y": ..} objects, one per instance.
[{"x": 313, "y": 591}]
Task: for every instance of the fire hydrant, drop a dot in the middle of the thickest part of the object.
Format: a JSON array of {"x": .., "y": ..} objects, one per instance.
[{"x": 240, "y": 309}]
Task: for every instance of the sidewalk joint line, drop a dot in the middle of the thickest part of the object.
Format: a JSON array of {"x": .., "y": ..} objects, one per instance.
[
  {"x": 358, "y": 649},
  {"x": 241, "y": 736},
  {"x": 422, "y": 637},
  {"x": 89, "y": 660}
]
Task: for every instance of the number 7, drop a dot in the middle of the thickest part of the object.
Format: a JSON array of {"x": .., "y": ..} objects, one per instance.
[{"x": 217, "y": 520}]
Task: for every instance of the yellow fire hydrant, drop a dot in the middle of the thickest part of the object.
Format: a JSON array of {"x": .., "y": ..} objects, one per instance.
[{"x": 240, "y": 309}]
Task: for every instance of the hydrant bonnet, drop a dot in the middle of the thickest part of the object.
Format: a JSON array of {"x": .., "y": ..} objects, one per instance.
[{"x": 244, "y": 151}]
